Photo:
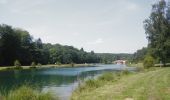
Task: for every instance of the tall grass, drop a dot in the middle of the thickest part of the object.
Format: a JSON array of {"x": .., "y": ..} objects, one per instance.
[
  {"x": 108, "y": 77},
  {"x": 152, "y": 84},
  {"x": 92, "y": 83},
  {"x": 100, "y": 81},
  {"x": 27, "y": 93}
]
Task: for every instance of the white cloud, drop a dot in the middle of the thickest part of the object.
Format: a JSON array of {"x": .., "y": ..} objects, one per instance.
[{"x": 97, "y": 41}]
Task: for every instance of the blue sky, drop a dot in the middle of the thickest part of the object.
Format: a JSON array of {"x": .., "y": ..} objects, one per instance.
[{"x": 114, "y": 26}]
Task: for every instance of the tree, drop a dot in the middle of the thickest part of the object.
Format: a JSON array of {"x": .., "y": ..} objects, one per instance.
[
  {"x": 9, "y": 45},
  {"x": 39, "y": 43},
  {"x": 16, "y": 43},
  {"x": 148, "y": 61},
  {"x": 157, "y": 29},
  {"x": 24, "y": 53},
  {"x": 139, "y": 55}
]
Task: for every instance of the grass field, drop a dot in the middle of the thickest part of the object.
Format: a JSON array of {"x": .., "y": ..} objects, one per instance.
[{"x": 148, "y": 85}]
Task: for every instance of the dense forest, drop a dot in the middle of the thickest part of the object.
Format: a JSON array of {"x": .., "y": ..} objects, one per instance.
[{"x": 18, "y": 44}]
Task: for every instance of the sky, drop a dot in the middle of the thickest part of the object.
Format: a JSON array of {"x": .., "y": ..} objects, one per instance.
[{"x": 105, "y": 26}]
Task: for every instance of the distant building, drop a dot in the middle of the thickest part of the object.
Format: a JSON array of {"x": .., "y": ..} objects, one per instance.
[{"x": 120, "y": 62}]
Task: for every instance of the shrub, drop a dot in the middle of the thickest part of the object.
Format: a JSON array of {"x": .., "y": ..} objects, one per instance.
[
  {"x": 39, "y": 64},
  {"x": 27, "y": 93},
  {"x": 148, "y": 62},
  {"x": 33, "y": 65},
  {"x": 107, "y": 77},
  {"x": 17, "y": 64},
  {"x": 58, "y": 63},
  {"x": 125, "y": 72}
]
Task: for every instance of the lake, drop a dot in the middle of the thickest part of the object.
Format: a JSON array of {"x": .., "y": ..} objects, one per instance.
[{"x": 59, "y": 81}]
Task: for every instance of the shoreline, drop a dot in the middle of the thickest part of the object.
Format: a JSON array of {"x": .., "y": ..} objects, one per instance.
[{"x": 3, "y": 68}]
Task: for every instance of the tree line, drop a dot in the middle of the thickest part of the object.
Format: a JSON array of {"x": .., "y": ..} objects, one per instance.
[
  {"x": 157, "y": 29},
  {"x": 18, "y": 44},
  {"x": 108, "y": 58}
]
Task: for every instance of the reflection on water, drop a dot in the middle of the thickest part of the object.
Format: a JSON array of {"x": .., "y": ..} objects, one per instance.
[{"x": 60, "y": 81}]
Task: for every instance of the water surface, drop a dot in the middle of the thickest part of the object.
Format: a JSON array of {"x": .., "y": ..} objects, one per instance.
[{"x": 59, "y": 81}]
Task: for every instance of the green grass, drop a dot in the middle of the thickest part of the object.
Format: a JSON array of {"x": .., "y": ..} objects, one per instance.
[
  {"x": 27, "y": 93},
  {"x": 135, "y": 65},
  {"x": 92, "y": 84},
  {"x": 149, "y": 85}
]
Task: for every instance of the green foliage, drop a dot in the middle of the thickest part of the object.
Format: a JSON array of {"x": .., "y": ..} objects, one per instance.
[
  {"x": 101, "y": 80},
  {"x": 58, "y": 63},
  {"x": 27, "y": 93},
  {"x": 19, "y": 44},
  {"x": 9, "y": 43},
  {"x": 108, "y": 58},
  {"x": 157, "y": 28},
  {"x": 107, "y": 77},
  {"x": 139, "y": 55},
  {"x": 69, "y": 54},
  {"x": 125, "y": 72},
  {"x": 149, "y": 85},
  {"x": 148, "y": 62}
]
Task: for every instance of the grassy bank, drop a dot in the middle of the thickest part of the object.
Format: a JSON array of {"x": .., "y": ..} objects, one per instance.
[
  {"x": 27, "y": 93},
  {"x": 135, "y": 65},
  {"x": 47, "y": 66},
  {"x": 149, "y": 85},
  {"x": 68, "y": 65}
]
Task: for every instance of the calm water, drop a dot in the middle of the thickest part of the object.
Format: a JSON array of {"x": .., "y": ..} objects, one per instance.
[{"x": 59, "y": 81}]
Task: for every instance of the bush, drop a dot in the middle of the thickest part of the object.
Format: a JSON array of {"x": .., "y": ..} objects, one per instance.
[
  {"x": 39, "y": 64},
  {"x": 27, "y": 93},
  {"x": 17, "y": 64},
  {"x": 148, "y": 62},
  {"x": 125, "y": 72},
  {"x": 107, "y": 77},
  {"x": 58, "y": 63},
  {"x": 33, "y": 65}
]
